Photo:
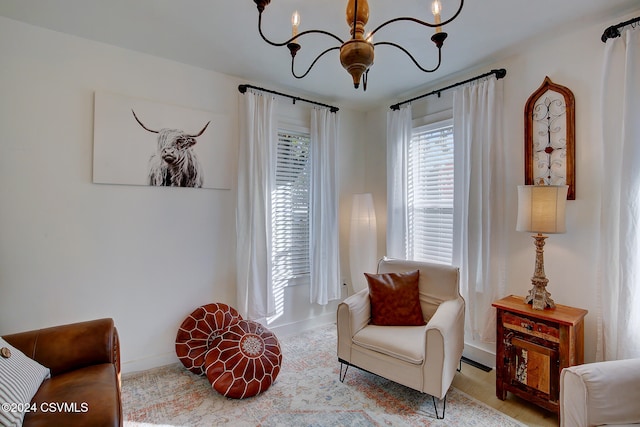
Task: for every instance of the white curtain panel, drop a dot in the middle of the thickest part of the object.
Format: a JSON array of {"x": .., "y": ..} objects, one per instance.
[
  {"x": 324, "y": 247},
  {"x": 363, "y": 245},
  {"x": 619, "y": 268},
  {"x": 479, "y": 202},
  {"x": 399, "y": 131},
  {"x": 256, "y": 179}
]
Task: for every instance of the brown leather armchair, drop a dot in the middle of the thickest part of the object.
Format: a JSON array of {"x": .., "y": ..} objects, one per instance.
[{"x": 84, "y": 359}]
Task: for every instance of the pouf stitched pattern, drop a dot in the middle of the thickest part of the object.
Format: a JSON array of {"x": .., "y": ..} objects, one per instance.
[
  {"x": 244, "y": 360},
  {"x": 198, "y": 331}
]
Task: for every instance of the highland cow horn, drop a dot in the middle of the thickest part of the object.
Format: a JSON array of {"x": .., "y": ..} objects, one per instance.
[
  {"x": 143, "y": 126},
  {"x": 202, "y": 131}
]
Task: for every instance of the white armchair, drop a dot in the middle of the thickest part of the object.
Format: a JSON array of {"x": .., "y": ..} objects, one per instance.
[
  {"x": 601, "y": 393},
  {"x": 424, "y": 358}
]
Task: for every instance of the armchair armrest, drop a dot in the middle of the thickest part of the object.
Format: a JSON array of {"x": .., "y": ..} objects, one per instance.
[
  {"x": 353, "y": 314},
  {"x": 68, "y": 347},
  {"x": 600, "y": 393},
  {"x": 444, "y": 342}
]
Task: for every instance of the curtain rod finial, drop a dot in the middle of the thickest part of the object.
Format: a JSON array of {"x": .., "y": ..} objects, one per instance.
[
  {"x": 500, "y": 73},
  {"x": 610, "y": 33},
  {"x": 614, "y": 31}
]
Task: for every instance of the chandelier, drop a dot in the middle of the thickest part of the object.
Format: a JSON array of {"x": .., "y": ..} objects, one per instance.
[{"x": 357, "y": 53}]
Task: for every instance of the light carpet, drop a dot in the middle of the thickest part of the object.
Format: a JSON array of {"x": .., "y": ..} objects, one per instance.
[{"x": 307, "y": 392}]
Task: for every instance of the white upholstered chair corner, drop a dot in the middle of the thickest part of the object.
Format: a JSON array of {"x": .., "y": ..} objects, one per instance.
[
  {"x": 424, "y": 358},
  {"x": 601, "y": 393}
]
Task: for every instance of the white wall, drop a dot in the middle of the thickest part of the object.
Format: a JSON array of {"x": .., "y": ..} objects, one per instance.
[
  {"x": 573, "y": 59},
  {"x": 71, "y": 250}
]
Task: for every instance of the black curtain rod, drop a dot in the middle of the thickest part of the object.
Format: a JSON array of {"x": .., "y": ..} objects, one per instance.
[
  {"x": 500, "y": 73},
  {"x": 243, "y": 89},
  {"x": 612, "y": 32}
]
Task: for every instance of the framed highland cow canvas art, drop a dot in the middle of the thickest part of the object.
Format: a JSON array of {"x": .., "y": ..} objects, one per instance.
[{"x": 142, "y": 142}]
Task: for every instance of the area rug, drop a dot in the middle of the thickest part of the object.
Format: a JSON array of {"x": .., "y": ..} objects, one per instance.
[{"x": 307, "y": 392}]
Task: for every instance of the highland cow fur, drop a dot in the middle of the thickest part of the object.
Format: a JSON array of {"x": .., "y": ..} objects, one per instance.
[{"x": 174, "y": 164}]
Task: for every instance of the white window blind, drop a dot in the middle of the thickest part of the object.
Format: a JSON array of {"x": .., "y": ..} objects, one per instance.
[
  {"x": 290, "y": 209},
  {"x": 430, "y": 193}
]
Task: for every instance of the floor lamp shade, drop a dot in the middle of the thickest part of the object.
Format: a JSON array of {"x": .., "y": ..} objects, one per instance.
[{"x": 363, "y": 246}]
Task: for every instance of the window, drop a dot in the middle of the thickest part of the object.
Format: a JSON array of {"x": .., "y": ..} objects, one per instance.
[
  {"x": 290, "y": 210},
  {"x": 430, "y": 193}
]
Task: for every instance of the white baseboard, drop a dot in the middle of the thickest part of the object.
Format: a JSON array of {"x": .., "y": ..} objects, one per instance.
[
  {"x": 479, "y": 355},
  {"x": 149, "y": 362},
  {"x": 303, "y": 325}
]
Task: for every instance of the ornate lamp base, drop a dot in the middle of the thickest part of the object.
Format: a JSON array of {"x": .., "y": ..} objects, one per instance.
[{"x": 538, "y": 296}]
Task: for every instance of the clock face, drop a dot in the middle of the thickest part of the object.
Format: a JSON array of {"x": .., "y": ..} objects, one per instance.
[{"x": 549, "y": 137}]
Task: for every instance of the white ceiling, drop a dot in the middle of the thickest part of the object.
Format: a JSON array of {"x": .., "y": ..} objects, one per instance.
[{"x": 221, "y": 35}]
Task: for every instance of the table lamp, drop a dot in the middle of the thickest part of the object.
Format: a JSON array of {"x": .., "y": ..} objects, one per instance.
[{"x": 541, "y": 209}]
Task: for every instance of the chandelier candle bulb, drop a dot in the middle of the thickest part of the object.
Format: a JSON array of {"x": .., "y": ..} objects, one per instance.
[
  {"x": 295, "y": 22},
  {"x": 436, "y": 8}
]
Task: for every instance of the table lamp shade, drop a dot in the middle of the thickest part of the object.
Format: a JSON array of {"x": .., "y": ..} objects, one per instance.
[{"x": 541, "y": 208}]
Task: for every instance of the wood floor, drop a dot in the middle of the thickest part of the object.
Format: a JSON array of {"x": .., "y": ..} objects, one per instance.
[{"x": 481, "y": 385}]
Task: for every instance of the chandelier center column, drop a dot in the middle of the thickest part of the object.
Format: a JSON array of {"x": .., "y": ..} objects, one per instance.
[
  {"x": 356, "y": 54},
  {"x": 360, "y": 17}
]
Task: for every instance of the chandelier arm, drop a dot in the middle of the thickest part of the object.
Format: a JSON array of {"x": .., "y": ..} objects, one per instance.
[
  {"x": 411, "y": 56},
  {"x": 294, "y": 37},
  {"x": 418, "y": 21},
  {"x": 312, "y": 64}
]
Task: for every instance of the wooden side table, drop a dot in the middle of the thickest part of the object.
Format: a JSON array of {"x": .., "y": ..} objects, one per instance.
[{"x": 533, "y": 346}]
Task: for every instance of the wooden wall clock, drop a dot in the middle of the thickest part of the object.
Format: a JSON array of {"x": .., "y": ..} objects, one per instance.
[{"x": 549, "y": 127}]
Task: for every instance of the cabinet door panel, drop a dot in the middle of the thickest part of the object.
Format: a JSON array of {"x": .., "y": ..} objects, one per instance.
[{"x": 533, "y": 366}]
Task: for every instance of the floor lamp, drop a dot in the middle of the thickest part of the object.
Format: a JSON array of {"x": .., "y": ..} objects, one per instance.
[
  {"x": 363, "y": 248},
  {"x": 541, "y": 209}
]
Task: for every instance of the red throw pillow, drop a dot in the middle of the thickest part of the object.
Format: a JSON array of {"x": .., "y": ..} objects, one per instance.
[{"x": 395, "y": 299}]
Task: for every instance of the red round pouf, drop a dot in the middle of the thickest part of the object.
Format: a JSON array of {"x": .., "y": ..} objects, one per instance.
[
  {"x": 199, "y": 329},
  {"x": 244, "y": 361}
]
